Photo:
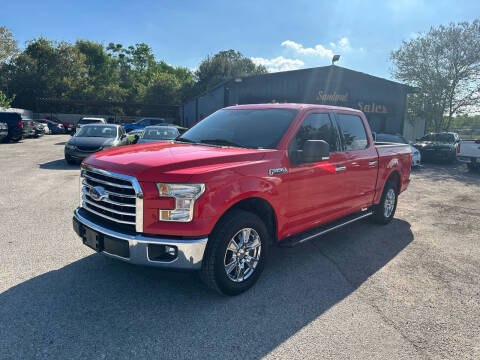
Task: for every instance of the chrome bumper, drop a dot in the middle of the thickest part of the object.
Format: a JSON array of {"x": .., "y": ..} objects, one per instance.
[{"x": 189, "y": 252}]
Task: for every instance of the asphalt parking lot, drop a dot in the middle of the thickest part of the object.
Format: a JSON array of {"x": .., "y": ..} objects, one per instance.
[{"x": 407, "y": 290}]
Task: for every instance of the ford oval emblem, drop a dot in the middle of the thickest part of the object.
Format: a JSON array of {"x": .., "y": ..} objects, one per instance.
[{"x": 97, "y": 193}]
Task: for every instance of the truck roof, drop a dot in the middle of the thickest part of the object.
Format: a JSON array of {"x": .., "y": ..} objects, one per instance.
[{"x": 293, "y": 106}]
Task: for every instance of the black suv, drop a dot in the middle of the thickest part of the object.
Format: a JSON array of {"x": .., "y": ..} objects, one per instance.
[{"x": 15, "y": 125}]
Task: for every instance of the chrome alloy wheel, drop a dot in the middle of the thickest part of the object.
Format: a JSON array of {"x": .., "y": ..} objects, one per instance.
[
  {"x": 242, "y": 254},
  {"x": 389, "y": 204}
]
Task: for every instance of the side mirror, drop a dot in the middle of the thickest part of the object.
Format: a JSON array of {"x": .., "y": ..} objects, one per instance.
[
  {"x": 316, "y": 151},
  {"x": 374, "y": 134}
]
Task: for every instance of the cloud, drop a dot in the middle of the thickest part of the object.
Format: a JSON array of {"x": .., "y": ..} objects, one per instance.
[
  {"x": 342, "y": 45},
  {"x": 318, "y": 50},
  {"x": 279, "y": 63}
]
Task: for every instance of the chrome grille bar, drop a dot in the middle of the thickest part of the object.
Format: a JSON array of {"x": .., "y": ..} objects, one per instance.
[
  {"x": 110, "y": 201},
  {"x": 107, "y": 183},
  {"x": 111, "y": 192},
  {"x": 97, "y": 204},
  {"x": 86, "y": 207}
]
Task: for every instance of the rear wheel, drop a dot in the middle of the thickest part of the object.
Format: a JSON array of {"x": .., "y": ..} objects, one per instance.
[
  {"x": 383, "y": 212},
  {"x": 235, "y": 254}
]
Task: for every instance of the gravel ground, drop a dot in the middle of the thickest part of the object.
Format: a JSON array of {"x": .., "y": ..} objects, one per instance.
[{"x": 407, "y": 290}]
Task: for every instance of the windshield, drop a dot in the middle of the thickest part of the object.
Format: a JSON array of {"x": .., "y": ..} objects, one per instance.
[
  {"x": 391, "y": 138},
  {"x": 249, "y": 128},
  {"x": 97, "y": 131},
  {"x": 165, "y": 133},
  {"x": 444, "y": 138}
]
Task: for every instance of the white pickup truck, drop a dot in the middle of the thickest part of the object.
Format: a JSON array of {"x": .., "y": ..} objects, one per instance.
[{"x": 470, "y": 153}]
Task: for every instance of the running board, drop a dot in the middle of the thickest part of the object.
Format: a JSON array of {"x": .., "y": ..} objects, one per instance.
[{"x": 323, "y": 229}]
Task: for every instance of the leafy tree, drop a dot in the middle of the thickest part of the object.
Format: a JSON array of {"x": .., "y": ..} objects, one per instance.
[
  {"x": 445, "y": 65},
  {"x": 5, "y": 102},
  {"x": 8, "y": 45},
  {"x": 222, "y": 66},
  {"x": 46, "y": 69},
  {"x": 163, "y": 89}
]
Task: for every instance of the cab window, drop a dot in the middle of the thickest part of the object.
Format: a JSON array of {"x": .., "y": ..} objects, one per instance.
[
  {"x": 353, "y": 130},
  {"x": 314, "y": 127}
]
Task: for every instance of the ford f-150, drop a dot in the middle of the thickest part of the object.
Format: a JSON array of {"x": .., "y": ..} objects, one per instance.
[{"x": 243, "y": 178}]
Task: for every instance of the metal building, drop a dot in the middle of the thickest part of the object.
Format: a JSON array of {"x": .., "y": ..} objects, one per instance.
[{"x": 383, "y": 101}]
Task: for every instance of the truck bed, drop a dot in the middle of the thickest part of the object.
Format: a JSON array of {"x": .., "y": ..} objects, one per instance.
[{"x": 390, "y": 154}]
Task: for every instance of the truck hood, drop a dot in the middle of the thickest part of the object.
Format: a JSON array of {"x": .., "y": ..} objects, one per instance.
[{"x": 170, "y": 161}]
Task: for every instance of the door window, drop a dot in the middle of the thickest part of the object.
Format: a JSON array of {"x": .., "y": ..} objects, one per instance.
[
  {"x": 314, "y": 127},
  {"x": 354, "y": 135}
]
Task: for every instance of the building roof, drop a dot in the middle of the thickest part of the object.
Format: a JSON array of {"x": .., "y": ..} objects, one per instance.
[{"x": 313, "y": 69}]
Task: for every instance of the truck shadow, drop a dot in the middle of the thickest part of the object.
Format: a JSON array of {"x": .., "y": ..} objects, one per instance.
[{"x": 97, "y": 307}]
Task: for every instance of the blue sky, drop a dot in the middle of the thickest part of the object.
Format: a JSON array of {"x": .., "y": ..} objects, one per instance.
[{"x": 282, "y": 35}]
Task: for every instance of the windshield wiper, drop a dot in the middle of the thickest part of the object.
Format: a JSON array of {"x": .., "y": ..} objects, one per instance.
[
  {"x": 221, "y": 142},
  {"x": 185, "y": 140}
]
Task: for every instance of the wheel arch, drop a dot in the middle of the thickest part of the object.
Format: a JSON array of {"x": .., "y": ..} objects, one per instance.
[{"x": 258, "y": 206}]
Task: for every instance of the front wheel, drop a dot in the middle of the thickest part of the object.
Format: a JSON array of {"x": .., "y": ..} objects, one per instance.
[
  {"x": 235, "y": 254},
  {"x": 383, "y": 212}
]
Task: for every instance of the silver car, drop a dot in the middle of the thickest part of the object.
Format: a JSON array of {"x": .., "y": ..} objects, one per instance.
[
  {"x": 92, "y": 138},
  {"x": 158, "y": 133}
]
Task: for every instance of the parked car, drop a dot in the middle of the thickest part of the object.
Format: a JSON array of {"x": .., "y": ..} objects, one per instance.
[
  {"x": 39, "y": 129},
  {"x": 44, "y": 124},
  {"x": 469, "y": 153},
  {"x": 240, "y": 179},
  {"x": 90, "y": 120},
  {"x": 69, "y": 128},
  {"x": 15, "y": 125},
  {"x": 28, "y": 128},
  {"x": 55, "y": 128},
  {"x": 91, "y": 138},
  {"x": 439, "y": 146},
  {"x": 158, "y": 133},
  {"x": 3, "y": 131},
  {"x": 416, "y": 157},
  {"x": 141, "y": 124}
]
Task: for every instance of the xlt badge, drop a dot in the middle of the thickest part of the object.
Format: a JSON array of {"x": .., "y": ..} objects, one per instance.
[{"x": 275, "y": 171}]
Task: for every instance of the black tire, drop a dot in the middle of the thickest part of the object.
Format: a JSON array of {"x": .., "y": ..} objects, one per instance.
[
  {"x": 213, "y": 272},
  {"x": 472, "y": 167},
  {"x": 379, "y": 213},
  {"x": 69, "y": 160}
]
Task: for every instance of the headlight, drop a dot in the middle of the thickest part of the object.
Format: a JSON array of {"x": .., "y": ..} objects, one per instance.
[
  {"x": 69, "y": 147},
  {"x": 184, "y": 195}
]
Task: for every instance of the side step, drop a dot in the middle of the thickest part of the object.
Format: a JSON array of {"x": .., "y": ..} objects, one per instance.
[{"x": 295, "y": 240}]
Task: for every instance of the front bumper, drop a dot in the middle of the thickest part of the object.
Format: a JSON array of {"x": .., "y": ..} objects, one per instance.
[
  {"x": 77, "y": 154},
  {"x": 188, "y": 254}
]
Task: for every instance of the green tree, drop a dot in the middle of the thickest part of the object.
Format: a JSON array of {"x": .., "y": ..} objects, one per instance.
[
  {"x": 5, "y": 102},
  {"x": 46, "y": 69},
  {"x": 8, "y": 45},
  {"x": 445, "y": 65},
  {"x": 163, "y": 89},
  {"x": 222, "y": 66}
]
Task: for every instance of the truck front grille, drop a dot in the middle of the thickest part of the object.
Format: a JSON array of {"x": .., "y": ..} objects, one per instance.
[{"x": 114, "y": 197}]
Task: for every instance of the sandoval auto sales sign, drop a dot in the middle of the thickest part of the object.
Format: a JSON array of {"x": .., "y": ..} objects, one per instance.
[{"x": 342, "y": 99}]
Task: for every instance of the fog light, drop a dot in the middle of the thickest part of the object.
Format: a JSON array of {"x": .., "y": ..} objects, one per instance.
[{"x": 162, "y": 252}]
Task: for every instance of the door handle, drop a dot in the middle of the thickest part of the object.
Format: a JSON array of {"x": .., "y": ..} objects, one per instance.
[
  {"x": 372, "y": 163},
  {"x": 340, "y": 168}
]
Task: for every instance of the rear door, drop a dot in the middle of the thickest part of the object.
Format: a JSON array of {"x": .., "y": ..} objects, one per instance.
[
  {"x": 314, "y": 189},
  {"x": 360, "y": 161}
]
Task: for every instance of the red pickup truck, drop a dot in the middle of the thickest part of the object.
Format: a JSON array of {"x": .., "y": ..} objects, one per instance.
[{"x": 240, "y": 180}]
